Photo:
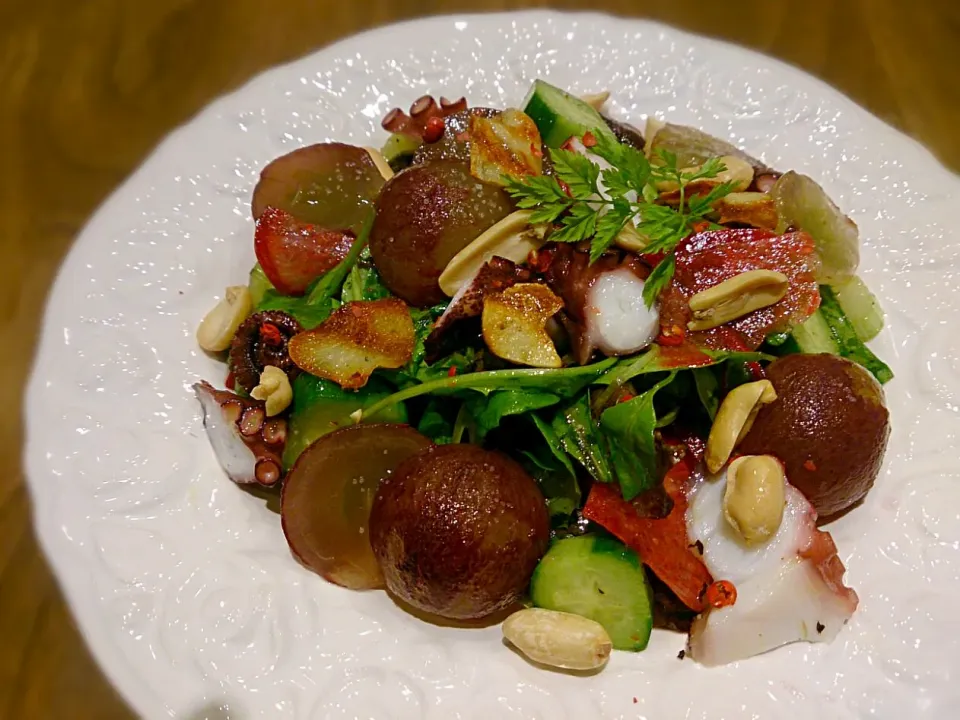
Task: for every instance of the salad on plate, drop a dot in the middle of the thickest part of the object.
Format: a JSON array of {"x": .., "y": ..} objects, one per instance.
[{"x": 535, "y": 366}]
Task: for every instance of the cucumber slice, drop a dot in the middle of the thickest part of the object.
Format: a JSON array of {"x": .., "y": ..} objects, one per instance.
[
  {"x": 258, "y": 284},
  {"x": 814, "y": 336},
  {"x": 850, "y": 346},
  {"x": 321, "y": 406},
  {"x": 861, "y": 308},
  {"x": 560, "y": 116},
  {"x": 601, "y": 579}
]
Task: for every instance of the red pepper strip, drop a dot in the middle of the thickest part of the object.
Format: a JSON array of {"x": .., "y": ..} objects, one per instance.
[{"x": 662, "y": 544}]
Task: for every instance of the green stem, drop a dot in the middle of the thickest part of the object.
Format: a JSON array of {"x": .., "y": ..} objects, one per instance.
[
  {"x": 330, "y": 283},
  {"x": 487, "y": 380}
]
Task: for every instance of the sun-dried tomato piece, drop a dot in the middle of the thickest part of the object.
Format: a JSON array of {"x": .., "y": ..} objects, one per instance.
[
  {"x": 708, "y": 258},
  {"x": 661, "y": 543}
]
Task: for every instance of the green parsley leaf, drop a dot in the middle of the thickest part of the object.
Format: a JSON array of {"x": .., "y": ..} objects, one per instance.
[
  {"x": 660, "y": 277},
  {"x": 609, "y": 226},
  {"x": 577, "y": 171},
  {"x": 579, "y": 225}
]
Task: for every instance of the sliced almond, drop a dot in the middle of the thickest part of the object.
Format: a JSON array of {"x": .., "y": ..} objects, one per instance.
[
  {"x": 596, "y": 100},
  {"x": 514, "y": 325},
  {"x": 381, "y": 162},
  {"x": 512, "y": 238},
  {"x": 355, "y": 340}
]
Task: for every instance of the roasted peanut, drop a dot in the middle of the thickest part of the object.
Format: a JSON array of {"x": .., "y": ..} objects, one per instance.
[
  {"x": 736, "y": 297},
  {"x": 274, "y": 389},
  {"x": 754, "y": 497},
  {"x": 558, "y": 639},
  {"x": 734, "y": 419},
  {"x": 218, "y": 327}
]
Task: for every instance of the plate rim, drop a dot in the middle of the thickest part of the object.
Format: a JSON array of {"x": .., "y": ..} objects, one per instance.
[{"x": 59, "y": 553}]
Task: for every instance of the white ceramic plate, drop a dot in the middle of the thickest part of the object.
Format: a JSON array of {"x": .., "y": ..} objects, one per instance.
[{"x": 183, "y": 584}]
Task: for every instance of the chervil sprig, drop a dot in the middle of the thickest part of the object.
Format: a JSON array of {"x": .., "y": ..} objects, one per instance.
[{"x": 593, "y": 203}]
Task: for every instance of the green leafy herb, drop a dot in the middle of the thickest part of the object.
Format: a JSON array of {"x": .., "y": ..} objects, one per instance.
[
  {"x": 364, "y": 282},
  {"x": 580, "y": 438},
  {"x": 321, "y": 297},
  {"x": 564, "y": 382},
  {"x": 489, "y": 411},
  {"x": 556, "y": 478},
  {"x": 572, "y": 197},
  {"x": 628, "y": 428},
  {"x": 435, "y": 421},
  {"x": 708, "y": 389}
]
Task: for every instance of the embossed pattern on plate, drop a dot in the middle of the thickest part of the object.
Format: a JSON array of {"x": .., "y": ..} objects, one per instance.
[{"x": 183, "y": 583}]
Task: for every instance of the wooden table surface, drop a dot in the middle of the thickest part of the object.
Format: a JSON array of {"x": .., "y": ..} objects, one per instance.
[{"x": 88, "y": 88}]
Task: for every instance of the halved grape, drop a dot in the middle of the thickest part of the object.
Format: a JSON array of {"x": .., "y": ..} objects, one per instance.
[
  {"x": 331, "y": 185},
  {"x": 327, "y": 496}
]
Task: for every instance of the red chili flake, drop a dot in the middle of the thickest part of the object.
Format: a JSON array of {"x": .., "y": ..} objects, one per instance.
[
  {"x": 721, "y": 593},
  {"x": 270, "y": 334},
  {"x": 589, "y": 139},
  {"x": 540, "y": 260},
  {"x": 433, "y": 130},
  {"x": 671, "y": 335},
  {"x": 702, "y": 226},
  {"x": 756, "y": 370},
  {"x": 535, "y": 150},
  {"x": 462, "y": 137},
  {"x": 810, "y": 465},
  {"x": 452, "y": 371},
  {"x": 653, "y": 259},
  {"x": 626, "y": 397}
]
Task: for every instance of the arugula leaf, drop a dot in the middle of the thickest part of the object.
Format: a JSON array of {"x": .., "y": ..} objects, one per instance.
[
  {"x": 565, "y": 382},
  {"x": 364, "y": 282},
  {"x": 464, "y": 424},
  {"x": 708, "y": 389},
  {"x": 488, "y": 412},
  {"x": 556, "y": 478},
  {"x": 580, "y": 437},
  {"x": 628, "y": 428},
  {"x": 309, "y": 316},
  {"x": 435, "y": 422}
]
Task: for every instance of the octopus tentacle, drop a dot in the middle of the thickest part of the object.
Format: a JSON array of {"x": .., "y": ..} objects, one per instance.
[
  {"x": 248, "y": 446},
  {"x": 422, "y": 111}
]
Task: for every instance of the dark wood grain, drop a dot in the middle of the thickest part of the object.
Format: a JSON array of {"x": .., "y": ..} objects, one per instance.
[{"x": 88, "y": 88}]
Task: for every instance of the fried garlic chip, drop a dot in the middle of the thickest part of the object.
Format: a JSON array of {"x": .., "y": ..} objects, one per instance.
[
  {"x": 514, "y": 323},
  {"x": 355, "y": 340},
  {"x": 507, "y": 145},
  {"x": 748, "y": 208}
]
